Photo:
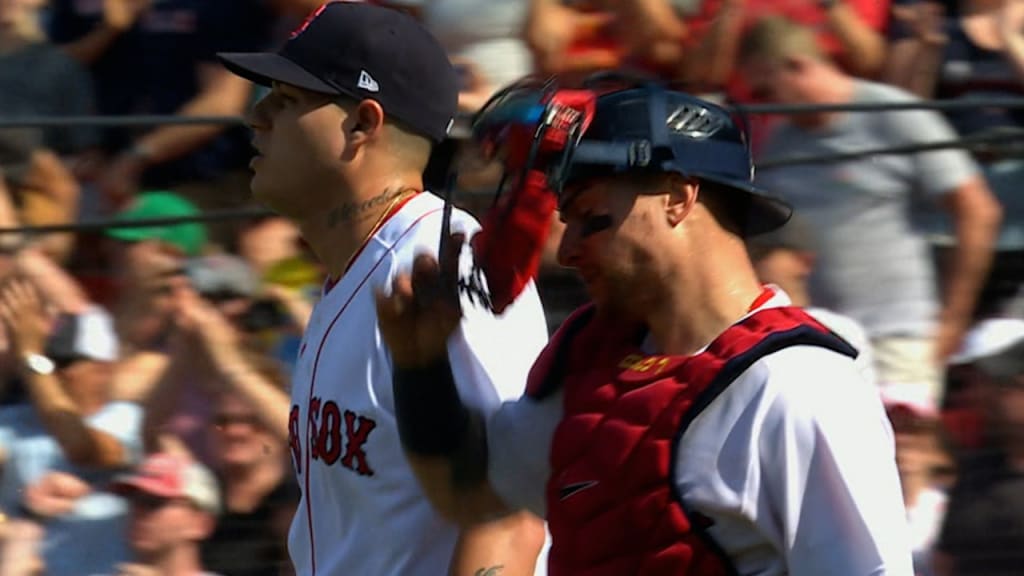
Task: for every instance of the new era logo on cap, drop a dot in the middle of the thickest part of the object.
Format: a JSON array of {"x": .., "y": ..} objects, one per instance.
[{"x": 366, "y": 82}]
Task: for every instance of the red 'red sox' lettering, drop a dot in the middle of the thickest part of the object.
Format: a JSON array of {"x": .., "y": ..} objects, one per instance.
[
  {"x": 312, "y": 441},
  {"x": 293, "y": 439},
  {"x": 334, "y": 436},
  {"x": 329, "y": 440},
  {"x": 356, "y": 440}
]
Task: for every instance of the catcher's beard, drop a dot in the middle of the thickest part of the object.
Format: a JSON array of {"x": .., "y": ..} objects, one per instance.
[{"x": 628, "y": 290}]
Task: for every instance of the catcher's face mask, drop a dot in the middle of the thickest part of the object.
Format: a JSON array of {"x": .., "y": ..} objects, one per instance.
[
  {"x": 546, "y": 138},
  {"x": 535, "y": 126},
  {"x": 535, "y": 129}
]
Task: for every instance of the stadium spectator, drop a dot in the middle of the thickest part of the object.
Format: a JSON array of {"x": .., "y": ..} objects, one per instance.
[
  {"x": 174, "y": 507},
  {"x": 919, "y": 456},
  {"x": 207, "y": 356},
  {"x": 984, "y": 528},
  {"x": 785, "y": 258},
  {"x": 38, "y": 163},
  {"x": 158, "y": 58},
  {"x": 964, "y": 406},
  {"x": 69, "y": 438},
  {"x": 258, "y": 490},
  {"x": 970, "y": 51},
  {"x": 873, "y": 266}
]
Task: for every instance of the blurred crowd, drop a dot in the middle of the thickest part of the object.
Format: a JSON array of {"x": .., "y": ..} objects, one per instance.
[{"x": 144, "y": 370}]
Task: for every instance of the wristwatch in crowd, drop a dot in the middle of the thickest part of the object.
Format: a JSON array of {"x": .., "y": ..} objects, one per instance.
[{"x": 39, "y": 364}]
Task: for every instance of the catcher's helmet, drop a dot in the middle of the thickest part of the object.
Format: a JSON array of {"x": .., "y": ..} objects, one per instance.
[{"x": 639, "y": 126}]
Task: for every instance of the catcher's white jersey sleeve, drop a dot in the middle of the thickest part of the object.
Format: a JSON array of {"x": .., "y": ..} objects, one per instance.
[{"x": 362, "y": 510}]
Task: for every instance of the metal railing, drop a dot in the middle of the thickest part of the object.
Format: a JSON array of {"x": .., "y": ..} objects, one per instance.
[{"x": 1010, "y": 139}]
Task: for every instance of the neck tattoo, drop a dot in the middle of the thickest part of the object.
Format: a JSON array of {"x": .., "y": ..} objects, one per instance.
[
  {"x": 395, "y": 199},
  {"x": 350, "y": 211}
]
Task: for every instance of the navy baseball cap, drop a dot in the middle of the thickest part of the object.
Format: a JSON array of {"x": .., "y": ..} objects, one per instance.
[
  {"x": 652, "y": 128},
  {"x": 364, "y": 51}
]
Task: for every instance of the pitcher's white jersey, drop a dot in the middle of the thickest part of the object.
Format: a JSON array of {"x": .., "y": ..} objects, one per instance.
[{"x": 362, "y": 510}]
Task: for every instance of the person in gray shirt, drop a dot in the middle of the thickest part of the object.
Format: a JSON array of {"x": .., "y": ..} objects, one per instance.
[{"x": 874, "y": 262}]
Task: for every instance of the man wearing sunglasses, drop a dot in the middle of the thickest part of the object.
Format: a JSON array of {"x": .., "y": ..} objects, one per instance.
[{"x": 689, "y": 420}]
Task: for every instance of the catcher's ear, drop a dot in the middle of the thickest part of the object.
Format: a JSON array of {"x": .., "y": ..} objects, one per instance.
[{"x": 680, "y": 196}]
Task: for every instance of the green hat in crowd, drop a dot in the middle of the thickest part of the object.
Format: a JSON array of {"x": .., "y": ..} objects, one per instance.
[{"x": 189, "y": 238}]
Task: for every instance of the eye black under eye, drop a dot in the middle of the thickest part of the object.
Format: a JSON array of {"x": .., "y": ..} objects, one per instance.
[{"x": 594, "y": 223}]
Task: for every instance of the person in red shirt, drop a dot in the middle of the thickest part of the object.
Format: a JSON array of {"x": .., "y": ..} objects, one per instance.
[{"x": 693, "y": 41}]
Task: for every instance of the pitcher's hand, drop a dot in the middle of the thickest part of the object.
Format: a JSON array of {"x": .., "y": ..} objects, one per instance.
[{"x": 423, "y": 309}]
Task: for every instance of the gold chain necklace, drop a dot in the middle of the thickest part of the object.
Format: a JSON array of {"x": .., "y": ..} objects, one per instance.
[{"x": 407, "y": 193}]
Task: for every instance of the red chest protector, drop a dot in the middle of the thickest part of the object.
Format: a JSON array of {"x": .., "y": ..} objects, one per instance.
[{"x": 612, "y": 505}]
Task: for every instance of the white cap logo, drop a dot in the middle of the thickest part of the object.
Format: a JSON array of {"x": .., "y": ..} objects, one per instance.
[
  {"x": 366, "y": 82},
  {"x": 696, "y": 122}
]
